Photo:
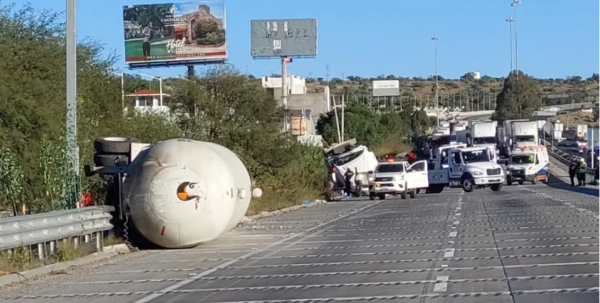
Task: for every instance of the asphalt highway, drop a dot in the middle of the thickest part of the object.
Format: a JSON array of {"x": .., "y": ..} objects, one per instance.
[{"x": 526, "y": 244}]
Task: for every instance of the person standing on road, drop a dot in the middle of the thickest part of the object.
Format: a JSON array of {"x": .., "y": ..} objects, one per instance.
[
  {"x": 581, "y": 169},
  {"x": 572, "y": 172}
]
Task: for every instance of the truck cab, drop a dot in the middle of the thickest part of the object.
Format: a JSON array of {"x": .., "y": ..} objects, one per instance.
[
  {"x": 484, "y": 134},
  {"x": 398, "y": 178},
  {"x": 524, "y": 133},
  {"x": 528, "y": 164},
  {"x": 467, "y": 168}
]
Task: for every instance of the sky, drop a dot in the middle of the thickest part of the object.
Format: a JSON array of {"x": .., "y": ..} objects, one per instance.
[{"x": 556, "y": 38}]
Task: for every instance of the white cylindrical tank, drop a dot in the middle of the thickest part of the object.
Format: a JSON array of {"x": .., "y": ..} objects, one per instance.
[{"x": 181, "y": 192}]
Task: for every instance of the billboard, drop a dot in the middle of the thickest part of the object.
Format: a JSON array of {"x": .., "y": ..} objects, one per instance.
[
  {"x": 384, "y": 88},
  {"x": 174, "y": 33},
  {"x": 283, "y": 38}
]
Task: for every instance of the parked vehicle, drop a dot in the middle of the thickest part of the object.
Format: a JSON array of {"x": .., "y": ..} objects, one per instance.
[
  {"x": 468, "y": 168},
  {"x": 508, "y": 136},
  {"x": 528, "y": 164},
  {"x": 399, "y": 178},
  {"x": 484, "y": 134},
  {"x": 524, "y": 133}
]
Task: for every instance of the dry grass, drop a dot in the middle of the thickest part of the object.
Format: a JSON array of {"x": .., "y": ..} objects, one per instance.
[
  {"x": 578, "y": 118},
  {"x": 25, "y": 258},
  {"x": 272, "y": 200},
  {"x": 112, "y": 240}
]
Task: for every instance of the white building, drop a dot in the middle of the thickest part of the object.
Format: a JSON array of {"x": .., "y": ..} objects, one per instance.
[
  {"x": 296, "y": 85},
  {"x": 476, "y": 75},
  {"x": 149, "y": 102}
]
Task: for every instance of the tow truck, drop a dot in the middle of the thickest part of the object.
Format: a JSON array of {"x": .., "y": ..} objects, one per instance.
[
  {"x": 467, "y": 168},
  {"x": 398, "y": 178}
]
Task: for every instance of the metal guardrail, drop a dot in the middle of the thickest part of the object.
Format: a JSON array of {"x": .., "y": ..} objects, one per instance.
[
  {"x": 563, "y": 158},
  {"x": 48, "y": 228}
]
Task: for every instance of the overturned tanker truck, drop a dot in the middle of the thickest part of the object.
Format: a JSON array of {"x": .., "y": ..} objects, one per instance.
[{"x": 177, "y": 193}]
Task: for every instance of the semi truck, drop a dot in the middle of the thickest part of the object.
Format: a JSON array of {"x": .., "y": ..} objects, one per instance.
[
  {"x": 524, "y": 133},
  {"x": 484, "y": 134},
  {"x": 507, "y": 138},
  {"x": 350, "y": 156}
]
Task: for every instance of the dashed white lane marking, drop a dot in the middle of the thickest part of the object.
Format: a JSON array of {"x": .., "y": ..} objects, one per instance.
[
  {"x": 563, "y": 202},
  {"x": 441, "y": 286},
  {"x": 452, "y": 234},
  {"x": 449, "y": 253},
  {"x": 455, "y": 222},
  {"x": 297, "y": 237}
]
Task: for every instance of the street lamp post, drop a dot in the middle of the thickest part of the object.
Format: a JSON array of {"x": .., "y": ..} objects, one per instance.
[
  {"x": 122, "y": 88},
  {"x": 437, "y": 87},
  {"x": 515, "y": 4},
  {"x": 510, "y": 21},
  {"x": 160, "y": 84}
]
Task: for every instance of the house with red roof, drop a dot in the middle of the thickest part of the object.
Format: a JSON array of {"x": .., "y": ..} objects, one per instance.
[{"x": 148, "y": 101}]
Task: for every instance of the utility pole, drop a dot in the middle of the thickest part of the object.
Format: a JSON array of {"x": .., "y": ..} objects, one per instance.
[
  {"x": 327, "y": 75},
  {"x": 437, "y": 87},
  {"x": 510, "y": 21},
  {"x": 515, "y": 4},
  {"x": 71, "y": 44}
]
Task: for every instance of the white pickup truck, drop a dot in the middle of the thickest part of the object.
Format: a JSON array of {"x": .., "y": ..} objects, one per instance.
[
  {"x": 398, "y": 178},
  {"x": 467, "y": 168}
]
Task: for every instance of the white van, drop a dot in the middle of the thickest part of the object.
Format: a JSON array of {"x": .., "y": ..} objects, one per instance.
[{"x": 528, "y": 164}]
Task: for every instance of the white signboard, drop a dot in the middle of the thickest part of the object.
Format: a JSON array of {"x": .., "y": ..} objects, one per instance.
[{"x": 382, "y": 88}]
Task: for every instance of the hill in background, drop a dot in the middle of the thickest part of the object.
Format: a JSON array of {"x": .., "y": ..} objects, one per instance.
[{"x": 578, "y": 88}]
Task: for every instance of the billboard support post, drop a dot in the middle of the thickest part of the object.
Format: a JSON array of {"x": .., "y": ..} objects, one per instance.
[
  {"x": 284, "y": 91},
  {"x": 190, "y": 72},
  {"x": 283, "y": 39}
]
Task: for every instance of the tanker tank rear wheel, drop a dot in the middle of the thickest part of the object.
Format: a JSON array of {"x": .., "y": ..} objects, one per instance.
[{"x": 114, "y": 145}]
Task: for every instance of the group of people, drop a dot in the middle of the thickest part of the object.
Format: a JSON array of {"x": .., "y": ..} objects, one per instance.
[{"x": 578, "y": 168}]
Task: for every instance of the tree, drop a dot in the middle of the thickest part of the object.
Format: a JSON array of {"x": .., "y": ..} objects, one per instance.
[
  {"x": 209, "y": 32},
  {"x": 519, "y": 98}
]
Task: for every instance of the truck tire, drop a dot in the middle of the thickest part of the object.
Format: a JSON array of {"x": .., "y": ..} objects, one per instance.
[
  {"x": 371, "y": 197},
  {"x": 418, "y": 190},
  {"x": 111, "y": 160},
  {"x": 468, "y": 184},
  {"x": 534, "y": 181},
  {"x": 508, "y": 181},
  {"x": 497, "y": 187},
  {"x": 113, "y": 145},
  {"x": 521, "y": 182},
  {"x": 381, "y": 196},
  {"x": 403, "y": 195},
  {"x": 413, "y": 194},
  {"x": 546, "y": 179}
]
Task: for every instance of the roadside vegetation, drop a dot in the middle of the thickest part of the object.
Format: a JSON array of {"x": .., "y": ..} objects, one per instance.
[
  {"x": 384, "y": 133},
  {"x": 221, "y": 106}
]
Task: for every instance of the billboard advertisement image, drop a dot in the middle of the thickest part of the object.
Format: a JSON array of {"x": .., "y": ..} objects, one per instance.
[{"x": 172, "y": 33}]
